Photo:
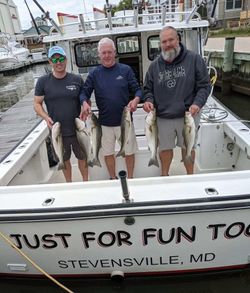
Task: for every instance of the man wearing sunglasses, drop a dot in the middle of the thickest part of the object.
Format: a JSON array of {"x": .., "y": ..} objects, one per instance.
[{"x": 60, "y": 91}]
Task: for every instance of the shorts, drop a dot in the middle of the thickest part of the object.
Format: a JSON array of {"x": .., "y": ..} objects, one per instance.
[
  {"x": 71, "y": 142},
  {"x": 112, "y": 134},
  {"x": 170, "y": 132}
]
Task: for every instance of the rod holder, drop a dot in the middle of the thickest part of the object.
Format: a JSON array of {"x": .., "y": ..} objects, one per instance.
[{"x": 123, "y": 178}]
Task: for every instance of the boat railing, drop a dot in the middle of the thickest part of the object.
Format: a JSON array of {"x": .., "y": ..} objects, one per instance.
[{"x": 163, "y": 16}]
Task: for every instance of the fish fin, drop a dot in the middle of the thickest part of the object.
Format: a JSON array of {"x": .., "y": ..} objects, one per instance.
[
  {"x": 96, "y": 162},
  {"x": 153, "y": 161}
]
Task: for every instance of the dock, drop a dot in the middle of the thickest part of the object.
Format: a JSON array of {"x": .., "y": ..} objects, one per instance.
[{"x": 16, "y": 123}]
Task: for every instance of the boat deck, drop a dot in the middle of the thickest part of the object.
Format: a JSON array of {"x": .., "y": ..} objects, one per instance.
[{"x": 16, "y": 123}]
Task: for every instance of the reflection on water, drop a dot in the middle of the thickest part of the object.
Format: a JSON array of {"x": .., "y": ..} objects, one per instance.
[
  {"x": 14, "y": 87},
  {"x": 237, "y": 103}
]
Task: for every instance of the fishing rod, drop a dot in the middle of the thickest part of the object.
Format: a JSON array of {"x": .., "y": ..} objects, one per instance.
[
  {"x": 33, "y": 20},
  {"x": 47, "y": 16}
]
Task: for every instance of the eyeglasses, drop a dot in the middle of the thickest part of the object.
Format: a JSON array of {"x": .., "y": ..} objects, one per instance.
[{"x": 60, "y": 59}]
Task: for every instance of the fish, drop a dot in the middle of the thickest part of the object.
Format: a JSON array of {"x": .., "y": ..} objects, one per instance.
[
  {"x": 83, "y": 138},
  {"x": 126, "y": 124},
  {"x": 151, "y": 132},
  {"x": 57, "y": 143},
  {"x": 189, "y": 136},
  {"x": 96, "y": 138}
]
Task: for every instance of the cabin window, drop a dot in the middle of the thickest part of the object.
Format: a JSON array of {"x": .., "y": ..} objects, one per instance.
[
  {"x": 154, "y": 47},
  {"x": 86, "y": 54},
  {"x": 233, "y": 4},
  {"x": 127, "y": 45}
]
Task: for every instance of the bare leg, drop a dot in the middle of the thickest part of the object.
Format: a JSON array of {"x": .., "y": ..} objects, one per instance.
[
  {"x": 110, "y": 163},
  {"x": 130, "y": 164},
  {"x": 188, "y": 164},
  {"x": 83, "y": 167},
  {"x": 67, "y": 171},
  {"x": 166, "y": 157}
]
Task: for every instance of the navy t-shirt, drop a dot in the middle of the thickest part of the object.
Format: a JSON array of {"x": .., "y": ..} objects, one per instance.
[
  {"x": 111, "y": 87},
  {"x": 61, "y": 97}
]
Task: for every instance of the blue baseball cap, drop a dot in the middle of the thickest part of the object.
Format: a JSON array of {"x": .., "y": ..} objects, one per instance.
[{"x": 56, "y": 50}]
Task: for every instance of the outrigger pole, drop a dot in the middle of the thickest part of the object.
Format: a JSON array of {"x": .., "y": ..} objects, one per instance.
[
  {"x": 33, "y": 20},
  {"x": 47, "y": 16}
]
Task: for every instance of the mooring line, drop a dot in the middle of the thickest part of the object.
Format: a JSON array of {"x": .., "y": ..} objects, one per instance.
[{"x": 6, "y": 239}]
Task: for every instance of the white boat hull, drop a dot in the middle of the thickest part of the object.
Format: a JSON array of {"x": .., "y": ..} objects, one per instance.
[{"x": 170, "y": 230}]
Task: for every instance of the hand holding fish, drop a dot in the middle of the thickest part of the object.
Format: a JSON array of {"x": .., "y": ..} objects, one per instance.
[
  {"x": 148, "y": 107},
  {"x": 85, "y": 110},
  {"x": 132, "y": 105},
  {"x": 194, "y": 109},
  {"x": 49, "y": 121}
]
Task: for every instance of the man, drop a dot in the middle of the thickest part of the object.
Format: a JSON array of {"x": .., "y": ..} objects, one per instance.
[
  {"x": 111, "y": 83},
  {"x": 60, "y": 91},
  {"x": 177, "y": 81}
]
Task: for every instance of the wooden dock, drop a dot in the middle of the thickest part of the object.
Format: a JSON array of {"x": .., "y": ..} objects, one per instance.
[{"x": 16, "y": 123}]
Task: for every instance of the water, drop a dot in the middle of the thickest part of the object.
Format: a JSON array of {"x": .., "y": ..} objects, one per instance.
[{"x": 12, "y": 88}]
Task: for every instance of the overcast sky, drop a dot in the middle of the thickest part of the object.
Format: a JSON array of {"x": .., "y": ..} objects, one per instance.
[{"x": 54, "y": 6}]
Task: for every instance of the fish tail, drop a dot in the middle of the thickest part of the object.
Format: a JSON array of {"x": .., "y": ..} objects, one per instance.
[
  {"x": 121, "y": 153},
  {"x": 96, "y": 162},
  {"x": 188, "y": 160},
  {"x": 90, "y": 163},
  {"x": 60, "y": 166},
  {"x": 153, "y": 161}
]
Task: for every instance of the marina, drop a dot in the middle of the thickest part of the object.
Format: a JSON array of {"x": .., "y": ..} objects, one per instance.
[{"x": 98, "y": 228}]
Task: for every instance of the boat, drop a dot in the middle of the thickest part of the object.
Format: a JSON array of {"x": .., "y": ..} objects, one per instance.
[
  {"x": 149, "y": 225},
  {"x": 11, "y": 52}
]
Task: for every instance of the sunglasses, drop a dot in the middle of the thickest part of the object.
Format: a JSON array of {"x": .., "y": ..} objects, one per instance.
[{"x": 60, "y": 59}]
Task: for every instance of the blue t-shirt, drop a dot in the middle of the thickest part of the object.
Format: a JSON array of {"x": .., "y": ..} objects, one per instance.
[{"x": 111, "y": 87}]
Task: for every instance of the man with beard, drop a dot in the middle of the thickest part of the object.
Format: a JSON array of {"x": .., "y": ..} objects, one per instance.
[{"x": 177, "y": 81}]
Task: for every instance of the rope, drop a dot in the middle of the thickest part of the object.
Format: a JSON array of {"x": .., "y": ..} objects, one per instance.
[{"x": 6, "y": 239}]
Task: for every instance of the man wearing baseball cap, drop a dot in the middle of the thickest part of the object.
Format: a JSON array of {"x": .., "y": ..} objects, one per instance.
[{"x": 60, "y": 91}]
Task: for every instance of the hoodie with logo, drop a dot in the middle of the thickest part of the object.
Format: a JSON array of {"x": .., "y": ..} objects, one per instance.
[
  {"x": 174, "y": 87},
  {"x": 112, "y": 87}
]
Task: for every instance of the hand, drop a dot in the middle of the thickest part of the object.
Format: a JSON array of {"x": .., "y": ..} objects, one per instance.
[
  {"x": 132, "y": 105},
  {"x": 49, "y": 122},
  {"x": 194, "y": 109},
  {"x": 85, "y": 111},
  {"x": 148, "y": 106}
]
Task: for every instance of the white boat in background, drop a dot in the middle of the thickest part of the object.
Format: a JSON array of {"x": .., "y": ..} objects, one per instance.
[
  {"x": 7, "y": 59},
  {"x": 143, "y": 226},
  {"x": 11, "y": 52}
]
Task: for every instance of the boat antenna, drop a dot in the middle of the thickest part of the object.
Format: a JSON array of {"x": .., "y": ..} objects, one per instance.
[
  {"x": 47, "y": 16},
  {"x": 33, "y": 20}
]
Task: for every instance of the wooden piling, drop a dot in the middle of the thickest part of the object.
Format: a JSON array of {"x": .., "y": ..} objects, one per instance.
[{"x": 227, "y": 67}]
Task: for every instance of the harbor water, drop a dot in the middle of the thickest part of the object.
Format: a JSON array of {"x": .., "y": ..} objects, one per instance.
[{"x": 12, "y": 89}]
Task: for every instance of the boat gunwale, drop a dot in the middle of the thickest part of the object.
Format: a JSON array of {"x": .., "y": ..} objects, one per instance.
[{"x": 201, "y": 205}]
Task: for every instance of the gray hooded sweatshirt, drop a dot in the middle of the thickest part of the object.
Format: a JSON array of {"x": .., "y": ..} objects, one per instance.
[{"x": 174, "y": 87}]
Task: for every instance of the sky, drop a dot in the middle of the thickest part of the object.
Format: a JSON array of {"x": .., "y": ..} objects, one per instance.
[{"x": 54, "y": 6}]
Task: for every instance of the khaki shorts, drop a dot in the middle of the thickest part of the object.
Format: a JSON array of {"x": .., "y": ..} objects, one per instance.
[
  {"x": 71, "y": 142},
  {"x": 170, "y": 132},
  {"x": 112, "y": 134}
]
